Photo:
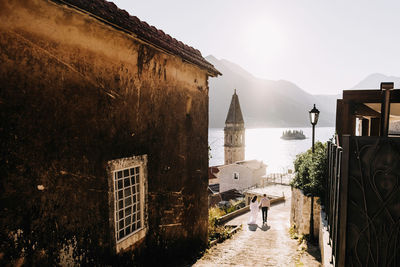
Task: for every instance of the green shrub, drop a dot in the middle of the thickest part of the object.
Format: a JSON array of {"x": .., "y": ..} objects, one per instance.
[
  {"x": 311, "y": 171},
  {"x": 234, "y": 205},
  {"x": 216, "y": 231}
]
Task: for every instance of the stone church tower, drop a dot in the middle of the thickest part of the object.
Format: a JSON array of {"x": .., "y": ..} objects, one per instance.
[{"x": 234, "y": 132}]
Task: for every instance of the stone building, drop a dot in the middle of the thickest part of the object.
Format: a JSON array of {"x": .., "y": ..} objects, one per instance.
[
  {"x": 104, "y": 127},
  {"x": 234, "y": 132},
  {"x": 241, "y": 175}
]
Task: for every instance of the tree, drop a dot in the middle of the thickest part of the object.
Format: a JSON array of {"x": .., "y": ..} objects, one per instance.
[{"x": 311, "y": 171}]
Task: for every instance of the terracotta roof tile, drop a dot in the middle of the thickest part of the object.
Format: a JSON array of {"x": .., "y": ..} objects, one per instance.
[
  {"x": 109, "y": 12},
  {"x": 230, "y": 194},
  {"x": 212, "y": 171},
  {"x": 214, "y": 188}
]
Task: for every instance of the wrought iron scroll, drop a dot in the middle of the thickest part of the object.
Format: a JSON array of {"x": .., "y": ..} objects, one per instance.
[{"x": 373, "y": 202}]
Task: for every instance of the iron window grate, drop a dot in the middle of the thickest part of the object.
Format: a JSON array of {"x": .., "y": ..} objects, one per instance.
[{"x": 127, "y": 202}]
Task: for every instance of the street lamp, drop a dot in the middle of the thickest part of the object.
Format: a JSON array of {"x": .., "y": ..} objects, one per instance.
[{"x": 314, "y": 114}]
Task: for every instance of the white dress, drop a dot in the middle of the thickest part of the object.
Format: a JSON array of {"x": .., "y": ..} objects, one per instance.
[{"x": 254, "y": 207}]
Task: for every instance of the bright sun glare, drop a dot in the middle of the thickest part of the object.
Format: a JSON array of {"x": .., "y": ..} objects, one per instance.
[{"x": 263, "y": 38}]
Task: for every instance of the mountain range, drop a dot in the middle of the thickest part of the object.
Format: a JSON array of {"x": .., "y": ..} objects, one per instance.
[
  {"x": 264, "y": 103},
  {"x": 374, "y": 80},
  {"x": 268, "y": 103}
]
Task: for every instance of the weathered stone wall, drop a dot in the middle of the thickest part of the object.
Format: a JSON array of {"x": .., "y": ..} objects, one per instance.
[
  {"x": 74, "y": 94},
  {"x": 300, "y": 213}
]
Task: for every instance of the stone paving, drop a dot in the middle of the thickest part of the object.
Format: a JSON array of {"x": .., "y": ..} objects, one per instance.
[{"x": 258, "y": 245}]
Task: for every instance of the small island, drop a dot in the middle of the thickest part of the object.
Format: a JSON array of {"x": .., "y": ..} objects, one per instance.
[{"x": 293, "y": 135}]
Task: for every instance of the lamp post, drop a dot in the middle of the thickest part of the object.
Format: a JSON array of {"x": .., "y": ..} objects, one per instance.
[{"x": 314, "y": 114}]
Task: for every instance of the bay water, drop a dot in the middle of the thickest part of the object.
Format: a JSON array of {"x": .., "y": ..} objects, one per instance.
[{"x": 265, "y": 144}]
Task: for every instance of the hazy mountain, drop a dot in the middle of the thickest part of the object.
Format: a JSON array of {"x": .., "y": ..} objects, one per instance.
[
  {"x": 264, "y": 103},
  {"x": 374, "y": 80}
]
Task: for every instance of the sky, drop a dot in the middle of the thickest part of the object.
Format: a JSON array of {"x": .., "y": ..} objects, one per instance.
[{"x": 323, "y": 46}]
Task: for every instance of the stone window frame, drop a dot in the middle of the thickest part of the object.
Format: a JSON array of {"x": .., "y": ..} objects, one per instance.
[
  {"x": 236, "y": 175},
  {"x": 113, "y": 167}
]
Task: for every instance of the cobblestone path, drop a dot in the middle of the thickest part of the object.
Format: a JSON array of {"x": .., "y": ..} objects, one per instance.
[{"x": 268, "y": 245}]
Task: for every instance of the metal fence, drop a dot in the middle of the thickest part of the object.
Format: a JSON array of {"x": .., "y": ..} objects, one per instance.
[
  {"x": 332, "y": 195},
  {"x": 362, "y": 201},
  {"x": 279, "y": 178}
]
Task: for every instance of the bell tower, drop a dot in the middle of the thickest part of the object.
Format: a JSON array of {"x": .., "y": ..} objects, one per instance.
[{"x": 234, "y": 139}]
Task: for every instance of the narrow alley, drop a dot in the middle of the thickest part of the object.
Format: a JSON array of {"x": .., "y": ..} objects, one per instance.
[{"x": 268, "y": 245}]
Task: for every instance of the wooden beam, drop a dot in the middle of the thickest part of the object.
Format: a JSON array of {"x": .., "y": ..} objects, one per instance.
[
  {"x": 339, "y": 116},
  {"x": 349, "y": 119},
  {"x": 375, "y": 127},
  {"x": 345, "y": 118},
  {"x": 363, "y": 110},
  {"x": 365, "y": 127},
  {"x": 387, "y": 89},
  {"x": 369, "y": 96}
]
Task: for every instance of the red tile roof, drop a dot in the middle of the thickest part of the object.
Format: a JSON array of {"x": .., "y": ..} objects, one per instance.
[
  {"x": 230, "y": 194},
  {"x": 214, "y": 188},
  {"x": 110, "y": 13},
  {"x": 212, "y": 171}
]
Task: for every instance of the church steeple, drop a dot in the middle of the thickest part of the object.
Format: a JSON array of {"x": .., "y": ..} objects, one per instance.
[
  {"x": 234, "y": 132},
  {"x": 235, "y": 113}
]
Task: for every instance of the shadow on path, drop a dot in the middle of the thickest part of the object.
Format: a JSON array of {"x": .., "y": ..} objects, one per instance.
[{"x": 264, "y": 227}]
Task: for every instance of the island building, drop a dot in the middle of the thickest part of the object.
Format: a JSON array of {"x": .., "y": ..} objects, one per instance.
[
  {"x": 234, "y": 132},
  {"x": 92, "y": 101}
]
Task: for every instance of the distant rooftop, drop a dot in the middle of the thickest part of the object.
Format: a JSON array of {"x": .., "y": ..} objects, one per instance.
[
  {"x": 231, "y": 194},
  {"x": 212, "y": 171},
  {"x": 271, "y": 190},
  {"x": 214, "y": 188},
  {"x": 252, "y": 164},
  {"x": 109, "y": 13}
]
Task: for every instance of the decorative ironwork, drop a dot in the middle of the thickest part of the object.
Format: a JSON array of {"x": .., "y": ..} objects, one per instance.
[
  {"x": 363, "y": 201},
  {"x": 332, "y": 198},
  {"x": 373, "y": 208}
]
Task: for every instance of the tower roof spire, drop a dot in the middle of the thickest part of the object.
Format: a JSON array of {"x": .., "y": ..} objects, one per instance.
[{"x": 235, "y": 113}]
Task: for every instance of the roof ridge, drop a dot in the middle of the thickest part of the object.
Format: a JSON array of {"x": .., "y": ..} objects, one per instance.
[{"x": 111, "y": 13}]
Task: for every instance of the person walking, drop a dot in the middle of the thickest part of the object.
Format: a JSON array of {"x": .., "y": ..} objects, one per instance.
[
  {"x": 254, "y": 207},
  {"x": 265, "y": 204}
]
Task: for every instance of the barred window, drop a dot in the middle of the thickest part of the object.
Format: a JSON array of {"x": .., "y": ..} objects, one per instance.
[
  {"x": 128, "y": 219},
  {"x": 127, "y": 181}
]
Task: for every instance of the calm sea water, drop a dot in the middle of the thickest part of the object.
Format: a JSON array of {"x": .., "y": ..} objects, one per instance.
[{"x": 265, "y": 144}]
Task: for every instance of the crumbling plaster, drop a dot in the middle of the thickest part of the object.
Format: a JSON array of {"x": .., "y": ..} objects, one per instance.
[{"x": 75, "y": 93}]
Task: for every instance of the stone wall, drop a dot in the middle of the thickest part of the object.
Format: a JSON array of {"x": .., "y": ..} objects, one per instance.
[
  {"x": 324, "y": 241},
  {"x": 300, "y": 213},
  {"x": 76, "y": 93}
]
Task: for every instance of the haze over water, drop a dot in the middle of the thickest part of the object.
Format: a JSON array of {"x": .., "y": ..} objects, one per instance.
[{"x": 265, "y": 144}]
